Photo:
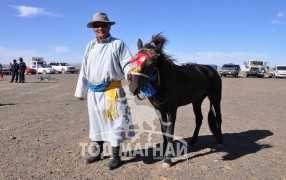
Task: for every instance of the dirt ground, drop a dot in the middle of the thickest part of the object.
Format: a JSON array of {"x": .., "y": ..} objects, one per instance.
[{"x": 44, "y": 134}]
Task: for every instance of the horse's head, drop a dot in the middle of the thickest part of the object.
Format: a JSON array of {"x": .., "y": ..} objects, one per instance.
[{"x": 144, "y": 63}]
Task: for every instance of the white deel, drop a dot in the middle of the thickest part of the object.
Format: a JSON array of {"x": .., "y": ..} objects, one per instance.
[{"x": 104, "y": 62}]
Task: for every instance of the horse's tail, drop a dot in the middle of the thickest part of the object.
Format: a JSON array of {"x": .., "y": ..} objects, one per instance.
[
  {"x": 214, "y": 125},
  {"x": 214, "y": 116}
]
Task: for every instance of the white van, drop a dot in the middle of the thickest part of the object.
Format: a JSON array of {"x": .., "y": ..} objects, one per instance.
[{"x": 280, "y": 71}]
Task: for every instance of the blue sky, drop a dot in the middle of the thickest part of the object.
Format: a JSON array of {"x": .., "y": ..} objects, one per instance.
[{"x": 201, "y": 31}]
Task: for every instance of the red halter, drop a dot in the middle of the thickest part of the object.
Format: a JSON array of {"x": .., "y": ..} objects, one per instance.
[{"x": 139, "y": 59}]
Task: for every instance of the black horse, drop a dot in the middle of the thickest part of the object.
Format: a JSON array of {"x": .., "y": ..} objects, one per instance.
[{"x": 170, "y": 86}]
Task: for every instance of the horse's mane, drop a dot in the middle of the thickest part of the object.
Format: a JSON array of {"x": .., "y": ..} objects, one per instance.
[{"x": 160, "y": 39}]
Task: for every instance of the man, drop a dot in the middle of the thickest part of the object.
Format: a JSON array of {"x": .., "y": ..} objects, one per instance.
[
  {"x": 1, "y": 74},
  {"x": 22, "y": 69},
  {"x": 105, "y": 64},
  {"x": 14, "y": 70}
]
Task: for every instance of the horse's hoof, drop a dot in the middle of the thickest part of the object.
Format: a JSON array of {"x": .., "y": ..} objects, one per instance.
[
  {"x": 166, "y": 165},
  {"x": 220, "y": 146}
]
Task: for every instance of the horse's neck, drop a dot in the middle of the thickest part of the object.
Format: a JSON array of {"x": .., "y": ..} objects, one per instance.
[
  {"x": 166, "y": 71},
  {"x": 163, "y": 84}
]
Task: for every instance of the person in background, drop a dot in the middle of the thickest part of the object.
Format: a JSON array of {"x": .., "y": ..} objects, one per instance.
[
  {"x": 105, "y": 63},
  {"x": 14, "y": 70},
  {"x": 1, "y": 74},
  {"x": 22, "y": 69}
]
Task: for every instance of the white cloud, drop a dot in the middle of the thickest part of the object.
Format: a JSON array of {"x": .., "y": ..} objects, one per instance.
[
  {"x": 7, "y": 55},
  {"x": 14, "y": 53},
  {"x": 28, "y": 11},
  {"x": 279, "y": 19},
  {"x": 281, "y": 14},
  {"x": 208, "y": 55},
  {"x": 219, "y": 58},
  {"x": 62, "y": 49}
]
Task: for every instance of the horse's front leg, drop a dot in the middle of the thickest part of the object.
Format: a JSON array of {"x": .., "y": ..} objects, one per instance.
[
  {"x": 199, "y": 118},
  {"x": 167, "y": 125}
]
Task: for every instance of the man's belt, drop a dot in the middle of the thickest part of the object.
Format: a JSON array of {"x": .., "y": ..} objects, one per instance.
[{"x": 109, "y": 88}]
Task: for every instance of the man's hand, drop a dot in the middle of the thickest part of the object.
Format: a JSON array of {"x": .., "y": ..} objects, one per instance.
[{"x": 129, "y": 76}]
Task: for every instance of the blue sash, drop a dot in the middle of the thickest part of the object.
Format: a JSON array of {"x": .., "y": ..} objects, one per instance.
[{"x": 99, "y": 87}]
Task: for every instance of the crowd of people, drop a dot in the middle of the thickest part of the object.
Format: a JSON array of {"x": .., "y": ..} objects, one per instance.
[{"x": 17, "y": 71}]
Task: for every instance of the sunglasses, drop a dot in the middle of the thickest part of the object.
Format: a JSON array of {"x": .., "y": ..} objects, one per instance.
[{"x": 103, "y": 25}]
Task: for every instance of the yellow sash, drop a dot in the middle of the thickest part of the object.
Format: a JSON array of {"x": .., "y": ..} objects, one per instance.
[{"x": 110, "y": 92}]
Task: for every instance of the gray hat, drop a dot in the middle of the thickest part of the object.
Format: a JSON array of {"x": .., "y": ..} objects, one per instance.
[{"x": 100, "y": 17}]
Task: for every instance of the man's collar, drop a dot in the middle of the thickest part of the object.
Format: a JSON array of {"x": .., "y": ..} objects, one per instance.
[{"x": 104, "y": 40}]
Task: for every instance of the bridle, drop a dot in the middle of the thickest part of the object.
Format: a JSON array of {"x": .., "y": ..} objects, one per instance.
[
  {"x": 140, "y": 60},
  {"x": 151, "y": 54},
  {"x": 140, "y": 74}
]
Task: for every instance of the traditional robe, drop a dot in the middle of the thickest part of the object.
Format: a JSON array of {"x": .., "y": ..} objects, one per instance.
[{"x": 106, "y": 61}]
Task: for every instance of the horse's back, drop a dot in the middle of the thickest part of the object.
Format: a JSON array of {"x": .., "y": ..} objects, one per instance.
[
  {"x": 196, "y": 73},
  {"x": 196, "y": 81}
]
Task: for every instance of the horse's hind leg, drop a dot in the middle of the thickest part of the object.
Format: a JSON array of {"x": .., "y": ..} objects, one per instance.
[
  {"x": 214, "y": 118},
  {"x": 218, "y": 120},
  {"x": 199, "y": 118}
]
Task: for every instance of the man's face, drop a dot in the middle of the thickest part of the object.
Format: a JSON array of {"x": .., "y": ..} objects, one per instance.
[{"x": 101, "y": 30}]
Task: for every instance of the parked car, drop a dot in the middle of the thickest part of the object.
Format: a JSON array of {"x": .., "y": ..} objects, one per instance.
[
  {"x": 6, "y": 71},
  {"x": 279, "y": 71},
  {"x": 229, "y": 69},
  {"x": 43, "y": 69},
  {"x": 30, "y": 70},
  {"x": 63, "y": 67},
  {"x": 213, "y": 66}
]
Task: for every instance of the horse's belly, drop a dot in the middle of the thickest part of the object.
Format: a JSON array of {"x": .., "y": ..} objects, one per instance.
[{"x": 187, "y": 97}]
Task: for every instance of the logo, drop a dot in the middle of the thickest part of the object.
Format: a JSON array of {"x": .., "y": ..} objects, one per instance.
[{"x": 143, "y": 128}]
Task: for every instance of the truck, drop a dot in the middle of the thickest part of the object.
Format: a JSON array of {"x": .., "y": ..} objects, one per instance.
[
  {"x": 34, "y": 60},
  {"x": 279, "y": 71},
  {"x": 39, "y": 64},
  {"x": 256, "y": 68}
]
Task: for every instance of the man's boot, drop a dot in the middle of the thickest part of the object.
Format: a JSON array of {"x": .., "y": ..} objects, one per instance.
[
  {"x": 116, "y": 160},
  {"x": 98, "y": 149}
]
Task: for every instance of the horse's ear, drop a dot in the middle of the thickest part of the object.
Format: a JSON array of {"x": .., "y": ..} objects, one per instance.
[{"x": 139, "y": 44}]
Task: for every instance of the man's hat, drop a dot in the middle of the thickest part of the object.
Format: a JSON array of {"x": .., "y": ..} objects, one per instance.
[{"x": 100, "y": 17}]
